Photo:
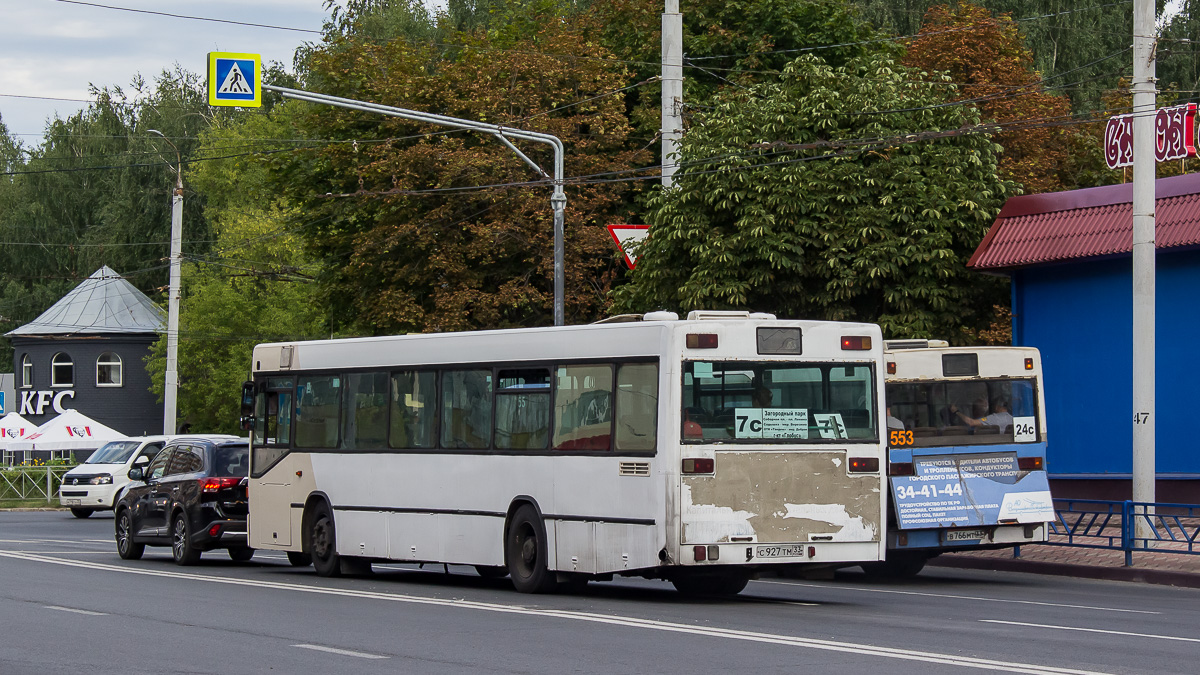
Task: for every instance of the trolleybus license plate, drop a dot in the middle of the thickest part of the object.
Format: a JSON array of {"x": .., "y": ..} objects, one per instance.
[
  {"x": 779, "y": 551},
  {"x": 966, "y": 535}
]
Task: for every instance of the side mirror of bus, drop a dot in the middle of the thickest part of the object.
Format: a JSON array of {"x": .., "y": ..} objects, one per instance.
[{"x": 247, "y": 414}]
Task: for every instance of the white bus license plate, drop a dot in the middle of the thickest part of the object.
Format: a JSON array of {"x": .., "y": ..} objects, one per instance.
[
  {"x": 779, "y": 551},
  {"x": 966, "y": 535}
]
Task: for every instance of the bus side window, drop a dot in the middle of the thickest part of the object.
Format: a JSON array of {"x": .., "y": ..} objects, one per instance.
[
  {"x": 364, "y": 411},
  {"x": 466, "y": 409},
  {"x": 414, "y": 410},
  {"x": 317, "y": 411},
  {"x": 637, "y": 406},
  {"x": 583, "y": 407}
]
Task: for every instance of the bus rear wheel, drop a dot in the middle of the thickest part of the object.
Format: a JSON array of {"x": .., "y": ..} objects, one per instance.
[
  {"x": 322, "y": 542},
  {"x": 525, "y": 553},
  {"x": 710, "y": 583}
]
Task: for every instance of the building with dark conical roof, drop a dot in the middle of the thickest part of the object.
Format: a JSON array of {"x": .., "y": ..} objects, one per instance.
[{"x": 87, "y": 352}]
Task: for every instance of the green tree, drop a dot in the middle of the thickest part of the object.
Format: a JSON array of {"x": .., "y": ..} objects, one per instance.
[
  {"x": 97, "y": 192},
  {"x": 877, "y": 229},
  {"x": 394, "y": 210}
]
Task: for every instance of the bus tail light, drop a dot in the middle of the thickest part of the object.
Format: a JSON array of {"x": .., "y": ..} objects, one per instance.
[
  {"x": 900, "y": 469},
  {"x": 698, "y": 465},
  {"x": 856, "y": 342},
  {"x": 215, "y": 484},
  {"x": 864, "y": 464},
  {"x": 700, "y": 553},
  {"x": 1030, "y": 463},
  {"x": 891, "y": 367},
  {"x": 702, "y": 340},
  {"x": 1028, "y": 364}
]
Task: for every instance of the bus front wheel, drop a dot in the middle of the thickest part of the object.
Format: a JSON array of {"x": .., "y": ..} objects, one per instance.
[
  {"x": 525, "y": 553},
  {"x": 322, "y": 543}
]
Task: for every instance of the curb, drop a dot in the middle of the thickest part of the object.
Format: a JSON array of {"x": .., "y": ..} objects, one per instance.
[
  {"x": 1129, "y": 574},
  {"x": 32, "y": 509}
]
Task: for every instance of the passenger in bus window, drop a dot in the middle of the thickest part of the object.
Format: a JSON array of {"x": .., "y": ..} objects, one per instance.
[
  {"x": 1000, "y": 416},
  {"x": 894, "y": 422},
  {"x": 763, "y": 397}
]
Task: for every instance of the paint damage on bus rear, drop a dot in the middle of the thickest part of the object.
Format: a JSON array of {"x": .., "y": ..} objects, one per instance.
[{"x": 772, "y": 497}]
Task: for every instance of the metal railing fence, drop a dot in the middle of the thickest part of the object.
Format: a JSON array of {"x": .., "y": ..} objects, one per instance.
[
  {"x": 1095, "y": 523},
  {"x": 29, "y": 483}
]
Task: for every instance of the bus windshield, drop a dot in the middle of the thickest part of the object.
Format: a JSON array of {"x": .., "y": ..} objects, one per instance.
[
  {"x": 953, "y": 413},
  {"x": 776, "y": 402}
]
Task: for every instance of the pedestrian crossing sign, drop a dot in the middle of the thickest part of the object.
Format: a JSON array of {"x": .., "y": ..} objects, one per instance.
[{"x": 234, "y": 79}]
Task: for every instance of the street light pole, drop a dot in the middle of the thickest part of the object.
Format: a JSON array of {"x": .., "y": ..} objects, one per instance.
[
  {"x": 672, "y": 89},
  {"x": 171, "y": 384}
]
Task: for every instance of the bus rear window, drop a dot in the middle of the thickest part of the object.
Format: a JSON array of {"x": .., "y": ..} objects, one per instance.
[
  {"x": 772, "y": 402},
  {"x": 949, "y": 413}
]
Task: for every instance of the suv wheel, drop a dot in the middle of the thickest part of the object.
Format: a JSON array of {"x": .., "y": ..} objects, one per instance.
[
  {"x": 126, "y": 548},
  {"x": 182, "y": 549}
]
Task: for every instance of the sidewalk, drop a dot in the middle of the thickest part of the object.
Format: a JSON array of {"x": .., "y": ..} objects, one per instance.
[{"x": 1172, "y": 569}]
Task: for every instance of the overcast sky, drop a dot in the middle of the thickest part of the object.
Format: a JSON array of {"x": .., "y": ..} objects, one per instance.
[{"x": 55, "y": 49}]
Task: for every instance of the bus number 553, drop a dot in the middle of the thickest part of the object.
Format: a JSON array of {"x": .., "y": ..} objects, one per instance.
[{"x": 900, "y": 437}]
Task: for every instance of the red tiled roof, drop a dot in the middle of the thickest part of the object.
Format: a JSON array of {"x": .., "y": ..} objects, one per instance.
[{"x": 1034, "y": 229}]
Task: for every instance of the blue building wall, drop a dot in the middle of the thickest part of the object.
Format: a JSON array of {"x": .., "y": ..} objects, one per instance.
[{"x": 1080, "y": 315}]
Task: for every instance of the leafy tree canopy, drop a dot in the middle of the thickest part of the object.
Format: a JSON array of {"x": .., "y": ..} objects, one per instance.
[
  {"x": 875, "y": 229},
  {"x": 393, "y": 208}
]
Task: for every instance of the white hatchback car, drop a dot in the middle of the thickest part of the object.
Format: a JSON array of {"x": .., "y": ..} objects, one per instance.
[{"x": 95, "y": 484}]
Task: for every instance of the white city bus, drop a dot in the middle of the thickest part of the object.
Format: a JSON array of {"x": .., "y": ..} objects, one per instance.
[
  {"x": 701, "y": 451},
  {"x": 967, "y": 455}
]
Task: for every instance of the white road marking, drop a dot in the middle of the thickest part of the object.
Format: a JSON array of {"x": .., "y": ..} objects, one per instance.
[
  {"x": 57, "y": 541},
  {"x": 75, "y": 611},
  {"x": 607, "y": 619},
  {"x": 342, "y": 652},
  {"x": 1093, "y": 630},
  {"x": 961, "y": 597}
]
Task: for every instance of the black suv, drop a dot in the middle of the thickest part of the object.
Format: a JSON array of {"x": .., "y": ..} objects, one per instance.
[{"x": 192, "y": 497}]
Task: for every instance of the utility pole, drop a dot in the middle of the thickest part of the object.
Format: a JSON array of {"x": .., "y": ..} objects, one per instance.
[
  {"x": 171, "y": 385},
  {"x": 672, "y": 89},
  {"x": 1144, "y": 105}
]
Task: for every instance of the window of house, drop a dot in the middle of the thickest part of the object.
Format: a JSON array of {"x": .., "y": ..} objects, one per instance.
[
  {"x": 26, "y": 372},
  {"x": 108, "y": 370},
  {"x": 62, "y": 370}
]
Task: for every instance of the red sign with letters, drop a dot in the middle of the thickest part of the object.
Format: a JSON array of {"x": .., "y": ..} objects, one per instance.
[{"x": 1174, "y": 136}]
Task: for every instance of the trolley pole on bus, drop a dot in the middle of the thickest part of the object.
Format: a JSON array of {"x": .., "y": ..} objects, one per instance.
[
  {"x": 1143, "y": 257},
  {"x": 558, "y": 200}
]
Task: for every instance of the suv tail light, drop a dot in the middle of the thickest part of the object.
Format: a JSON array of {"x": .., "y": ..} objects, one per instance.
[{"x": 216, "y": 484}]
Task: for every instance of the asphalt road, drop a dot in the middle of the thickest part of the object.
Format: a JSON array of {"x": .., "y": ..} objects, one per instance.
[{"x": 68, "y": 604}]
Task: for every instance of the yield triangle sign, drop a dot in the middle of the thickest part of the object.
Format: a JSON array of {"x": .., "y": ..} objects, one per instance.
[{"x": 628, "y": 237}]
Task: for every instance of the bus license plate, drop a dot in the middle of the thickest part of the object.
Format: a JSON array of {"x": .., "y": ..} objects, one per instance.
[
  {"x": 780, "y": 551},
  {"x": 966, "y": 535}
]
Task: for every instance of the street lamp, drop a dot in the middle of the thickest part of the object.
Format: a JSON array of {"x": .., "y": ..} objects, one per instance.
[{"x": 171, "y": 388}]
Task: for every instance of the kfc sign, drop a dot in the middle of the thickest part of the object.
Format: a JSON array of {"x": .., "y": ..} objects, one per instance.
[
  {"x": 34, "y": 402},
  {"x": 1174, "y": 136}
]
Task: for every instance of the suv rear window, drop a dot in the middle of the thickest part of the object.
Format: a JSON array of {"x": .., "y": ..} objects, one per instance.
[{"x": 231, "y": 460}]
